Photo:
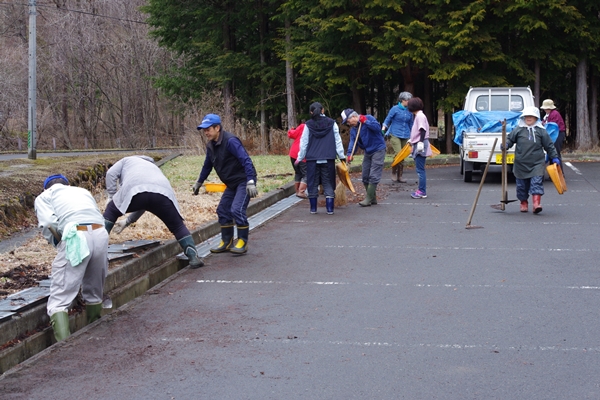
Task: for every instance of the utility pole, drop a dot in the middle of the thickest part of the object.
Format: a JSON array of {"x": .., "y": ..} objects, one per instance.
[{"x": 31, "y": 119}]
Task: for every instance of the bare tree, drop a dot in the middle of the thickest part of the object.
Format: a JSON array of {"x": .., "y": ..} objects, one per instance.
[{"x": 583, "y": 140}]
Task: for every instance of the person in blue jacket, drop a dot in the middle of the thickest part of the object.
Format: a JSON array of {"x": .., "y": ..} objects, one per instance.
[
  {"x": 397, "y": 126},
  {"x": 372, "y": 142},
  {"x": 227, "y": 155}
]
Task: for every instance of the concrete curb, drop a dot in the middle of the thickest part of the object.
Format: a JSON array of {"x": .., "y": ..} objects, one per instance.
[{"x": 29, "y": 333}]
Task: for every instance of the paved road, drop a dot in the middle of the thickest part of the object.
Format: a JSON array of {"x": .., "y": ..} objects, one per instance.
[
  {"x": 17, "y": 156},
  {"x": 395, "y": 301}
]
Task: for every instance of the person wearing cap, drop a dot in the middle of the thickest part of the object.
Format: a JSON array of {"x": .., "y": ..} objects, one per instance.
[
  {"x": 72, "y": 222},
  {"x": 320, "y": 144},
  {"x": 136, "y": 185},
  {"x": 227, "y": 155},
  {"x": 552, "y": 115},
  {"x": 397, "y": 126},
  {"x": 300, "y": 168},
  {"x": 372, "y": 142},
  {"x": 531, "y": 139}
]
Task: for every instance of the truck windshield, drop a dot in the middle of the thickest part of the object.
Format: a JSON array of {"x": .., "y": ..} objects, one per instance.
[{"x": 499, "y": 103}]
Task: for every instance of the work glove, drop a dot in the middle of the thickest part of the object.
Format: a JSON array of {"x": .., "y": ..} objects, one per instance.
[
  {"x": 420, "y": 147},
  {"x": 251, "y": 189},
  {"x": 556, "y": 161},
  {"x": 362, "y": 119},
  {"x": 349, "y": 158},
  {"x": 119, "y": 226},
  {"x": 196, "y": 188},
  {"x": 297, "y": 161}
]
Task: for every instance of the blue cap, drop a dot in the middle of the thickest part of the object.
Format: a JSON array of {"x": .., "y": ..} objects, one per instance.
[
  {"x": 345, "y": 114},
  {"x": 53, "y": 177},
  {"x": 209, "y": 120}
]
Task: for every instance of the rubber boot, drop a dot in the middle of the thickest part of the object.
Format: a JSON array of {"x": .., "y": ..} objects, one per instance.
[
  {"x": 301, "y": 191},
  {"x": 395, "y": 174},
  {"x": 226, "y": 239},
  {"x": 369, "y": 197},
  {"x": 537, "y": 207},
  {"x": 524, "y": 206},
  {"x": 93, "y": 312},
  {"x": 313, "y": 205},
  {"x": 108, "y": 225},
  {"x": 374, "y": 199},
  {"x": 60, "y": 325},
  {"x": 189, "y": 249},
  {"x": 241, "y": 246},
  {"x": 329, "y": 204},
  {"x": 400, "y": 170}
]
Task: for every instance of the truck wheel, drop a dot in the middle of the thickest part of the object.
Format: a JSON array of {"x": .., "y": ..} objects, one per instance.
[
  {"x": 462, "y": 165},
  {"x": 468, "y": 176}
]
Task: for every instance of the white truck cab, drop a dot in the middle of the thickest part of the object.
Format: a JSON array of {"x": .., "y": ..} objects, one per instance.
[{"x": 478, "y": 131}]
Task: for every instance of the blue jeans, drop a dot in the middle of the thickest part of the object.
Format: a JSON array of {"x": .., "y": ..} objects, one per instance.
[
  {"x": 323, "y": 174},
  {"x": 533, "y": 185},
  {"x": 420, "y": 166},
  {"x": 233, "y": 206}
]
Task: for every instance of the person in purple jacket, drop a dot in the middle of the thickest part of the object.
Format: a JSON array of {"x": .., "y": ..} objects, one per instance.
[
  {"x": 372, "y": 142},
  {"x": 552, "y": 115}
]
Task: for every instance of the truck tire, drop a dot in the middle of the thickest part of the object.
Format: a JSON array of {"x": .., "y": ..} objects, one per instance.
[
  {"x": 462, "y": 165},
  {"x": 468, "y": 176}
]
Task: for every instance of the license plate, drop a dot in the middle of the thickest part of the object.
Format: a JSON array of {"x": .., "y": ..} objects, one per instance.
[{"x": 510, "y": 158}]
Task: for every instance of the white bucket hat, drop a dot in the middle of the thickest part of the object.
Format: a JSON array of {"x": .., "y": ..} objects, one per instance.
[
  {"x": 548, "y": 104},
  {"x": 531, "y": 112}
]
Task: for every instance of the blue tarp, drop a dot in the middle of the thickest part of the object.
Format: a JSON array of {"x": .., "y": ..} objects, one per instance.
[
  {"x": 482, "y": 121},
  {"x": 552, "y": 129}
]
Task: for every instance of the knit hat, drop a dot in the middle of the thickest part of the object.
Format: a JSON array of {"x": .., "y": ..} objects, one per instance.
[{"x": 49, "y": 180}]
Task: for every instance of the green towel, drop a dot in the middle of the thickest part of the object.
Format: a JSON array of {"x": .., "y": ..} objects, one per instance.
[{"x": 76, "y": 245}]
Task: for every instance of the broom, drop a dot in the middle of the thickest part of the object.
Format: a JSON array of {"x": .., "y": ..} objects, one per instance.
[{"x": 340, "y": 190}]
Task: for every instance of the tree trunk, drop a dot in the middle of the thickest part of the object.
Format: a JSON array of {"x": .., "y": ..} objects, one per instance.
[
  {"x": 449, "y": 125},
  {"x": 289, "y": 79},
  {"x": 536, "y": 85},
  {"x": 583, "y": 139},
  {"x": 594, "y": 110}
]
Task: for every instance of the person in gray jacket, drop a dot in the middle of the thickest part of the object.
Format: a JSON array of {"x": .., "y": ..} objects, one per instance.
[
  {"x": 71, "y": 222},
  {"x": 136, "y": 185}
]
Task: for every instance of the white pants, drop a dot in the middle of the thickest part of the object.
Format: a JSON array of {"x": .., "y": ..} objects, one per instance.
[{"x": 89, "y": 275}]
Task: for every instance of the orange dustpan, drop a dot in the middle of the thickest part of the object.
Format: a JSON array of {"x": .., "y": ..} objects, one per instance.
[
  {"x": 434, "y": 150},
  {"x": 557, "y": 178},
  {"x": 402, "y": 154},
  {"x": 342, "y": 173}
]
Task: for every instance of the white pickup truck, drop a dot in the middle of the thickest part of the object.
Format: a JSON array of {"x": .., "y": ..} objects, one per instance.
[{"x": 480, "y": 122}]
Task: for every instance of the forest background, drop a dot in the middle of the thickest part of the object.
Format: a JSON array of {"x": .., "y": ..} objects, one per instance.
[{"x": 141, "y": 74}]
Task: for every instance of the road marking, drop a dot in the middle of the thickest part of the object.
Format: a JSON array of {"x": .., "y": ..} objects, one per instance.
[{"x": 418, "y": 285}]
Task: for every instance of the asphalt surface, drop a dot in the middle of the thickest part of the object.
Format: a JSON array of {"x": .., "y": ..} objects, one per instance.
[{"x": 394, "y": 301}]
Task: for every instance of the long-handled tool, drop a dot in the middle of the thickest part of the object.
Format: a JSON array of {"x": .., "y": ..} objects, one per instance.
[
  {"x": 504, "y": 200},
  {"x": 343, "y": 172},
  {"x": 469, "y": 226}
]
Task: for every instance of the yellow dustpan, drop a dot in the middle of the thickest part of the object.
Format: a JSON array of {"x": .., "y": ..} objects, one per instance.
[
  {"x": 557, "y": 178},
  {"x": 434, "y": 150},
  {"x": 402, "y": 154},
  {"x": 342, "y": 172}
]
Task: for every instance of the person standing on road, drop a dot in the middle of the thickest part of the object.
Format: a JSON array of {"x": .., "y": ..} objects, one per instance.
[
  {"x": 299, "y": 169},
  {"x": 372, "y": 142},
  {"x": 419, "y": 139},
  {"x": 136, "y": 185},
  {"x": 398, "y": 124},
  {"x": 531, "y": 140},
  {"x": 320, "y": 144},
  {"x": 552, "y": 115},
  {"x": 71, "y": 222},
  {"x": 227, "y": 155}
]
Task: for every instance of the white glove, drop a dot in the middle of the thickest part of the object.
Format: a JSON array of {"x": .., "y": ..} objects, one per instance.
[
  {"x": 119, "y": 226},
  {"x": 420, "y": 147},
  {"x": 251, "y": 189}
]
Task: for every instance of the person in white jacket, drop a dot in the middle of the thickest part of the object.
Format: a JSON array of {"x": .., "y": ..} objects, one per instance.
[
  {"x": 136, "y": 185},
  {"x": 71, "y": 221}
]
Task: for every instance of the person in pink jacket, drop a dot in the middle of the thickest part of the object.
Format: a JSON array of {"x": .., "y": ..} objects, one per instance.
[{"x": 300, "y": 169}]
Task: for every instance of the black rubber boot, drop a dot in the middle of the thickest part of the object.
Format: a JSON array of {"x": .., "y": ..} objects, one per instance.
[
  {"x": 108, "y": 225},
  {"x": 329, "y": 204},
  {"x": 226, "y": 239},
  {"x": 189, "y": 249},
  {"x": 60, "y": 325},
  {"x": 313, "y": 205},
  {"x": 93, "y": 312},
  {"x": 241, "y": 246}
]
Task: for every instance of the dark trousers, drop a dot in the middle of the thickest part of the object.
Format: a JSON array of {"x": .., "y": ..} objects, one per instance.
[
  {"x": 299, "y": 170},
  {"x": 320, "y": 173},
  {"x": 157, "y": 204},
  {"x": 233, "y": 205}
]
